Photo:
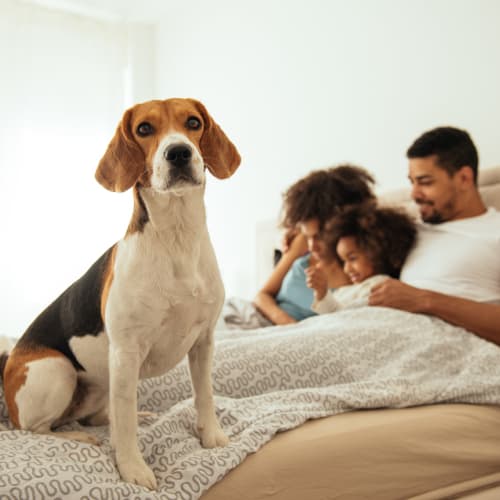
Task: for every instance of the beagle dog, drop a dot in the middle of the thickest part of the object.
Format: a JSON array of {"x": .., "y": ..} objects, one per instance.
[{"x": 149, "y": 300}]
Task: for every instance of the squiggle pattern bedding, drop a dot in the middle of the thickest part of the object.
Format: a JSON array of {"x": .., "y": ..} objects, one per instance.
[{"x": 266, "y": 381}]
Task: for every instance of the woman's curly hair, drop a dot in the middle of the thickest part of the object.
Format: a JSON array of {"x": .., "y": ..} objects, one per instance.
[
  {"x": 386, "y": 234},
  {"x": 320, "y": 194}
]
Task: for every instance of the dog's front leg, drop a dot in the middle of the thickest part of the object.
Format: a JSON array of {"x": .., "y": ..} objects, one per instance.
[
  {"x": 124, "y": 375},
  {"x": 200, "y": 364}
]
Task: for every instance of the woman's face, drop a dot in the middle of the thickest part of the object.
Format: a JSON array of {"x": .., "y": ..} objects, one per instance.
[
  {"x": 357, "y": 263},
  {"x": 310, "y": 229}
]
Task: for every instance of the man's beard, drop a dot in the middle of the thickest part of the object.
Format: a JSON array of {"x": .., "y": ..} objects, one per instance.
[{"x": 436, "y": 217}]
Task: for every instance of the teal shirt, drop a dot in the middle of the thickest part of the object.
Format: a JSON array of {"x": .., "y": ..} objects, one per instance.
[{"x": 294, "y": 296}]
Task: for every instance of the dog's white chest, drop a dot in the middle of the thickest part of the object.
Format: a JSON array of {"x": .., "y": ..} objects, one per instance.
[{"x": 161, "y": 302}]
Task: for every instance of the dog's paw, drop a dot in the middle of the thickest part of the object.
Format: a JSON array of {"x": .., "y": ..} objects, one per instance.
[
  {"x": 137, "y": 472},
  {"x": 83, "y": 437},
  {"x": 146, "y": 414},
  {"x": 212, "y": 437}
]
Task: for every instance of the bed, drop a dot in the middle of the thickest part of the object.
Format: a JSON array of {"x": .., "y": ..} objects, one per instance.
[{"x": 368, "y": 403}]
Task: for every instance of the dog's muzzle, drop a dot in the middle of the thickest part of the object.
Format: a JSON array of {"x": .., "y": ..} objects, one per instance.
[
  {"x": 178, "y": 155},
  {"x": 179, "y": 158}
]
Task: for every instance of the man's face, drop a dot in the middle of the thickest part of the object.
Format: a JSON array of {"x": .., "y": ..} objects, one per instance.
[
  {"x": 433, "y": 189},
  {"x": 310, "y": 229}
]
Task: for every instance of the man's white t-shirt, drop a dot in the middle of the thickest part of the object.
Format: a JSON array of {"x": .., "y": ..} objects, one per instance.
[{"x": 460, "y": 258}]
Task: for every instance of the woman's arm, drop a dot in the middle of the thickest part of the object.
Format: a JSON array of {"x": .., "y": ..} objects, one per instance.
[{"x": 265, "y": 300}]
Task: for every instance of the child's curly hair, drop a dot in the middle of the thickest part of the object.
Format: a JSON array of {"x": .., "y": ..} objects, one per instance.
[
  {"x": 320, "y": 194},
  {"x": 385, "y": 234}
]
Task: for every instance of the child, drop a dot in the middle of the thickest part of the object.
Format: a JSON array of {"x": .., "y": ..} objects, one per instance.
[{"x": 371, "y": 243}]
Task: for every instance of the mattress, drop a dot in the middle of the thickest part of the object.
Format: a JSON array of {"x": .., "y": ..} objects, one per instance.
[{"x": 424, "y": 453}]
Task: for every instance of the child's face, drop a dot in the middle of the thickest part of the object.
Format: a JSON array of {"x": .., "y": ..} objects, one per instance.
[{"x": 357, "y": 264}]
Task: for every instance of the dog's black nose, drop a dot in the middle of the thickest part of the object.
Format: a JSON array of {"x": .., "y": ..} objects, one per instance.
[{"x": 178, "y": 155}]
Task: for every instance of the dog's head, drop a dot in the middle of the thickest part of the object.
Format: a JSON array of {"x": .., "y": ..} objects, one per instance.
[{"x": 166, "y": 145}]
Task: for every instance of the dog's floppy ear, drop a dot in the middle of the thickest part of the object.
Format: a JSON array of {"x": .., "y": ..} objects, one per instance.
[
  {"x": 219, "y": 153},
  {"x": 123, "y": 162}
]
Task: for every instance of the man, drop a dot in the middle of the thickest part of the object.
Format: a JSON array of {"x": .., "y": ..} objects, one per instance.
[{"x": 454, "y": 270}]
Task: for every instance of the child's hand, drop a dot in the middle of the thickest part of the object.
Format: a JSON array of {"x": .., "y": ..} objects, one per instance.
[{"x": 317, "y": 280}]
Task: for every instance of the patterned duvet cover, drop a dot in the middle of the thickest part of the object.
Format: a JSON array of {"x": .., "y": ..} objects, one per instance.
[{"x": 266, "y": 381}]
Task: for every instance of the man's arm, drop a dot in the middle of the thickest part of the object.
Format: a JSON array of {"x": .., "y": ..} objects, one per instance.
[{"x": 477, "y": 317}]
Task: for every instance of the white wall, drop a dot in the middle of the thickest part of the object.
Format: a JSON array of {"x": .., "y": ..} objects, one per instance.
[
  {"x": 296, "y": 85},
  {"x": 65, "y": 80},
  {"x": 302, "y": 85}
]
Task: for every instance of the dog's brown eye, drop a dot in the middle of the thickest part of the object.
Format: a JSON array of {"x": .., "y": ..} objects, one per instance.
[
  {"x": 193, "y": 123},
  {"x": 144, "y": 129}
]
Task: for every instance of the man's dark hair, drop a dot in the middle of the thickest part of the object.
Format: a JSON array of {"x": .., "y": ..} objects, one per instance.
[
  {"x": 453, "y": 147},
  {"x": 320, "y": 194},
  {"x": 385, "y": 234}
]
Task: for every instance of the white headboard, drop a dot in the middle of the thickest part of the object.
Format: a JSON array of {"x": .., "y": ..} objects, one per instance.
[
  {"x": 489, "y": 187},
  {"x": 268, "y": 234}
]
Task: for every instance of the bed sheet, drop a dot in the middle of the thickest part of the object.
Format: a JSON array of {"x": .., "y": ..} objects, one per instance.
[
  {"x": 426, "y": 452},
  {"x": 266, "y": 381}
]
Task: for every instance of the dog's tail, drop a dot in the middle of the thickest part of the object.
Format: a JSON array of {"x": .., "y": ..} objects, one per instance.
[
  {"x": 6, "y": 345},
  {"x": 4, "y": 356}
]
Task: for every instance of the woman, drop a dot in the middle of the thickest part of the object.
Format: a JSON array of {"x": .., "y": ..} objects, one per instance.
[{"x": 307, "y": 206}]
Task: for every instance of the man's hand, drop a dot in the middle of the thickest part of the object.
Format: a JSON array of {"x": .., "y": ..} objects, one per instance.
[
  {"x": 318, "y": 280},
  {"x": 394, "y": 293}
]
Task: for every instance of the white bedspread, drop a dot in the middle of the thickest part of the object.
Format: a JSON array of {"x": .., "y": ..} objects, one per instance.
[{"x": 266, "y": 381}]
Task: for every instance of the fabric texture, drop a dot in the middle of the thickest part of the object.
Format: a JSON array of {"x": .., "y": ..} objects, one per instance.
[
  {"x": 266, "y": 381},
  {"x": 242, "y": 314},
  {"x": 458, "y": 258},
  {"x": 348, "y": 296},
  {"x": 434, "y": 451}
]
